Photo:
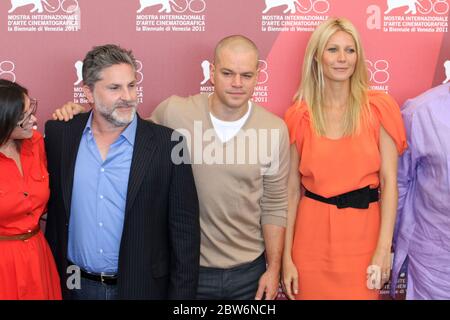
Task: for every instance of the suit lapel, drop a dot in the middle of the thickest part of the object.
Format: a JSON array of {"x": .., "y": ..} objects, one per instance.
[
  {"x": 144, "y": 148},
  {"x": 70, "y": 143}
]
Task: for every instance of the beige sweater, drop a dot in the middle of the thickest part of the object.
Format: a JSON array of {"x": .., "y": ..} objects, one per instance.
[{"x": 241, "y": 184}]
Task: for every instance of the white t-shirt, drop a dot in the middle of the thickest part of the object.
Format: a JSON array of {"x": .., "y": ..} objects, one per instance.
[{"x": 226, "y": 130}]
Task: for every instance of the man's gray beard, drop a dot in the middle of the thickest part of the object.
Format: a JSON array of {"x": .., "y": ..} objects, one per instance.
[{"x": 112, "y": 117}]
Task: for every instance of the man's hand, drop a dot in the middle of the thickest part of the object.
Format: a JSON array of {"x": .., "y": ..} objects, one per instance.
[
  {"x": 67, "y": 111},
  {"x": 268, "y": 285}
]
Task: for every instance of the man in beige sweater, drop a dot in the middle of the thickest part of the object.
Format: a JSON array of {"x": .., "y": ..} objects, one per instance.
[{"x": 240, "y": 158}]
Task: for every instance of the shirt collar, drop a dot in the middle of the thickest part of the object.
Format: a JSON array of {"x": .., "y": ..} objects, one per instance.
[
  {"x": 88, "y": 126},
  {"x": 130, "y": 131}
]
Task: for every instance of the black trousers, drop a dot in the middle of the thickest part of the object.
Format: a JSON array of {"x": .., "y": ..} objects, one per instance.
[{"x": 237, "y": 283}]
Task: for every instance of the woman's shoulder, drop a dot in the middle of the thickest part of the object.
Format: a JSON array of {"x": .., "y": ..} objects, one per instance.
[
  {"x": 34, "y": 142},
  {"x": 382, "y": 101},
  {"x": 298, "y": 111},
  {"x": 36, "y": 137},
  {"x": 387, "y": 111},
  {"x": 297, "y": 120}
]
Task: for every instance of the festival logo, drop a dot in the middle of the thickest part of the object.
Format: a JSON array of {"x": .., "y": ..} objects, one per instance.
[
  {"x": 7, "y": 68},
  {"x": 409, "y": 16},
  {"x": 260, "y": 94},
  {"x": 205, "y": 85},
  {"x": 411, "y": 5},
  {"x": 79, "y": 69},
  {"x": 379, "y": 76},
  {"x": 38, "y": 5},
  {"x": 290, "y": 5},
  {"x": 447, "y": 71},
  {"x": 139, "y": 80},
  {"x": 293, "y": 15},
  {"x": 44, "y": 16},
  {"x": 79, "y": 96},
  {"x": 205, "y": 69},
  {"x": 171, "y": 16}
]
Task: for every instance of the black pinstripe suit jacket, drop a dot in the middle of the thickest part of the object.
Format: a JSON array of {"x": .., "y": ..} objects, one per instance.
[{"x": 160, "y": 245}]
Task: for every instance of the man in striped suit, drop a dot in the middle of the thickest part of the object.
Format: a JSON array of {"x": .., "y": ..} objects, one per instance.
[{"x": 123, "y": 219}]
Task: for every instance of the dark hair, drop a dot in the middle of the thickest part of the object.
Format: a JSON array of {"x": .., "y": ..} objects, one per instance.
[
  {"x": 12, "y": 103},
  {"x": 102, "y": 57}
]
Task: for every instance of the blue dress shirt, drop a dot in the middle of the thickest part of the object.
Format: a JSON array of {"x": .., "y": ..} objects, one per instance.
[{"x": 98, "y": 201}]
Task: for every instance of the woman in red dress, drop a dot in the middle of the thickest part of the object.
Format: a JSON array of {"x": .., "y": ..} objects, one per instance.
[{"x": 27, "y": 267}]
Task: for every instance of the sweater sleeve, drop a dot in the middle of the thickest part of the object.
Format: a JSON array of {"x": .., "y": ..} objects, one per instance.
[
  {"x": 274, "y": 199},
  {"x": 159, "y": 115}
]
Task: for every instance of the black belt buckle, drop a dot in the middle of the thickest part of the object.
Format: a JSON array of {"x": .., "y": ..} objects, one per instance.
[
  {"x": 358, "y": 199},
  {"x": 108, "y": 279},
  {"x": 102, "y": 277},
  {"x": 342, "y": 201}
]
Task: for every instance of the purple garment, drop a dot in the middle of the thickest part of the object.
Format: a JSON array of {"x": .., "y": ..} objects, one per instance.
[{"x": 422, "y": 231}]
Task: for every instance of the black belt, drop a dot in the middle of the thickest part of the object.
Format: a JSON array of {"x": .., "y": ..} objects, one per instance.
[
  {"x": 103, "y": 278},
  {"x": 359, "y": 199}
]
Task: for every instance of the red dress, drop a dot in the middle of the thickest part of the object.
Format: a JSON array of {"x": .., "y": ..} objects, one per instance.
[
  {"x": 332, "y": 247},
  {"x": 27, "y": 268}
]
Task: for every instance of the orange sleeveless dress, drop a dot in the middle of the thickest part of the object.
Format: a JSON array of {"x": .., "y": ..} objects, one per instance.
[{"x": 333, "y": 247}]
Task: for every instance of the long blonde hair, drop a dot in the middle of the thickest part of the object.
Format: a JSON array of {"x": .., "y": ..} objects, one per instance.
[{"x": 312, "y": 86}]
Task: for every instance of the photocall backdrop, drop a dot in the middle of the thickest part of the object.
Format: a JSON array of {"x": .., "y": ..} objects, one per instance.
[{"x": 43, "y": 43}]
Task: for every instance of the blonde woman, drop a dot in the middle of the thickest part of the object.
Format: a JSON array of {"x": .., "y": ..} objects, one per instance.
[{"x": 345, "y": 141}]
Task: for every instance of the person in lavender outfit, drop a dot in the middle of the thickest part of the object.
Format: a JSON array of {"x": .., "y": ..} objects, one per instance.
[{"x": 422, "y": 237}]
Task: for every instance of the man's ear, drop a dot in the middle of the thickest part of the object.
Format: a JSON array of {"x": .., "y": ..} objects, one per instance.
[
  {"x": 259, "y": 67},
  {"x": 212, "y": 70},
  {"x": 88, "y": 93}
]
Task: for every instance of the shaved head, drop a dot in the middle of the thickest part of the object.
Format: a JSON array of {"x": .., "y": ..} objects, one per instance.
[
  {"x": 234, "y": 75},
  {"x": 236, "y": 44}
]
